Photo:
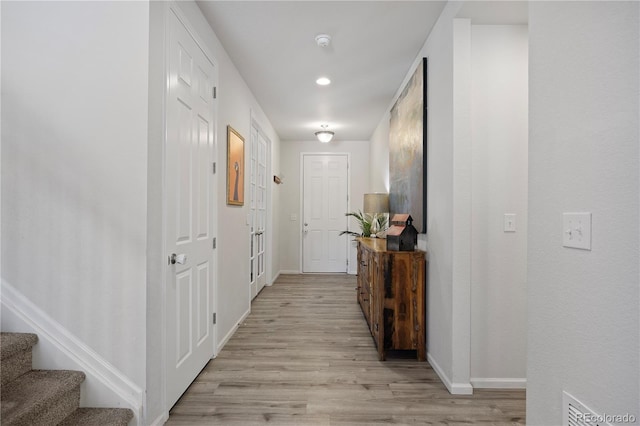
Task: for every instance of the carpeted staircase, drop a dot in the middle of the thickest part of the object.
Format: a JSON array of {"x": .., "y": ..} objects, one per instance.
[{"x": 45, "y": 397}]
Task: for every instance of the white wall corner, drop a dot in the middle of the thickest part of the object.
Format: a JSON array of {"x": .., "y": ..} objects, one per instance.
[
  {"x": 57, "y": 348},
  {"x": 160, "y": 420},
  {"x": 461, "y": 256},
  {"x": 454, "y": 388},
  {"x": 231, "y": 332}
]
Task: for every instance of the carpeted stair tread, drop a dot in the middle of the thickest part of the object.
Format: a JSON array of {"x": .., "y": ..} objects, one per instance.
[
  {"x": 36, "y": 392},
  {"x": 99, "y": 417},
  {"x": 15, "y": 353},
  {"x": 13, "y": 343}
]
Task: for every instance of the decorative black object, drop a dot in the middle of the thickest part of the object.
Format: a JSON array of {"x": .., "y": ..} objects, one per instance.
[{"x": 402, "y": 235}]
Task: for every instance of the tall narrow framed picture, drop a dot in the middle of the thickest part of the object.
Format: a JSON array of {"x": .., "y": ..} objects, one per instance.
[
  {"x": 408, "y": 150},
  {"x": 235, "y": 167}
]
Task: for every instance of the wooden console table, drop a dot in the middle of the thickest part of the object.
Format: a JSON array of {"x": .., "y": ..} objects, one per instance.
[{"x": 391, "y": 293}]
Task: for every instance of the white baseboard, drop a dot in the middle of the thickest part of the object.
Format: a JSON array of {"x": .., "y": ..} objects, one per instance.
[
  {"x": 289, "y": 272},
  {"x": 498, "y": 383},
  {"x": 273, "y": 280},
  {"x": 231, "y": 332},
  {"x": 452, "y": 387},
  {"x": 58, "y": 348},
  {"x": 461, "y": 389},
  {"x": 160, "y": 420}
]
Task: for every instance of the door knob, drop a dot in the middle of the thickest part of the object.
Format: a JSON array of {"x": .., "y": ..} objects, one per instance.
[
  {"x": 177, "y": 258},
  {"x": 306, "y": 224}
]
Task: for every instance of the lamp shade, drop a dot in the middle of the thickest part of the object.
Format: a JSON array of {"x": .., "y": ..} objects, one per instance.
[{"x": 377, "y": 202}]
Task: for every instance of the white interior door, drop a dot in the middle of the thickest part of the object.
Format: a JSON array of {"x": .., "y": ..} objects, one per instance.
[
  {"x": 189, "y": 195},
  {"x": 258, "y": 191},
  {"x": 253, "y": 189},
  {"x": 261, "y": 212},
  {"x": 325, "y": 202}
]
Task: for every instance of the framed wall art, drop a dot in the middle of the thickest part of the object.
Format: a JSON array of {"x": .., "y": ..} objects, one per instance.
[
  {"x": 408, "y": 150},
  {"x": 235, "y": 167}
]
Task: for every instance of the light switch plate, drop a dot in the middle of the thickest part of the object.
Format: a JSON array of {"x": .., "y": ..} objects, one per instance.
[
  {"x": 509, "y": 222},
  {"x": 576, "y": 230}
]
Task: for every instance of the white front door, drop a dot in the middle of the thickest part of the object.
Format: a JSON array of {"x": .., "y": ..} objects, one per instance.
[
  {"x": 258, "y": 191},
  {"x": 189, "y": 190},
  {"x": 325, "y": 202}
]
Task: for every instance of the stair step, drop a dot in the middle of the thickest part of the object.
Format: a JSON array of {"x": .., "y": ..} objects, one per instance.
[
  {"x": 13, "y": 343},
  {"x": 99, "y": 417},
  {"x": 15, "y": 353},
  {"x": 41, "y": 397}
]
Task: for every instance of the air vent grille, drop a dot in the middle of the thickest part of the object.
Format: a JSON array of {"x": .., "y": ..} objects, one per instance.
[
  {"x": 575, "y": 413},
  {"x": 577, "y": 417}
]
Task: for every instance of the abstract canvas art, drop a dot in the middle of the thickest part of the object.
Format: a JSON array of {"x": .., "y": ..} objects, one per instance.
[{"x": 407, "y": 150}]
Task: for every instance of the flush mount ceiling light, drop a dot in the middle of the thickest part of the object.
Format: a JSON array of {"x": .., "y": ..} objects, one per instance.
[
  {"x": 323, "y": 40},
  {"x": 323, "y": 81},
  {"x": 324, "y": 135}
]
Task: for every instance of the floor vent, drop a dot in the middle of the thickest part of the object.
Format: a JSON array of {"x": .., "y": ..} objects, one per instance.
[{"x": 575, "y": 413}]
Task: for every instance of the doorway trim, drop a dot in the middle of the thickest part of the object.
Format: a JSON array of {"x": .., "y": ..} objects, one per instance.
[
  {"x": 169, "y": 9},
  {"x": 301, "y": 206},
  {"x": 269, "y": 208}
]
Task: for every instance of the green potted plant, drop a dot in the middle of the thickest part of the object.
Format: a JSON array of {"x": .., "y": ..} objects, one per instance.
[{"x": 370, "y": 223}]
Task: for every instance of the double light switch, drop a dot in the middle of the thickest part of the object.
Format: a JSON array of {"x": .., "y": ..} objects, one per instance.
[{"x": 576, "y": 230}]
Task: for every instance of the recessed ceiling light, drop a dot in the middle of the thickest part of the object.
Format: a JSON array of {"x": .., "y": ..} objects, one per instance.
[{"x": 323, "y": 81}]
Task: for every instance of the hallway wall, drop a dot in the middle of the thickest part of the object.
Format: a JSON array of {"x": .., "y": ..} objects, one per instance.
[
  {"x": 74, "y": 169},
  {"x": 439, "y": 50},
  {"x": 499, "y": 111},
  {"x": 584, "y": 127},
  {"x": 236, "y": 104}
]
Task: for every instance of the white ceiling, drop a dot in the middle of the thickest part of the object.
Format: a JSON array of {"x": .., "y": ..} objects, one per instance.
[{"x": 374, "y": 43}]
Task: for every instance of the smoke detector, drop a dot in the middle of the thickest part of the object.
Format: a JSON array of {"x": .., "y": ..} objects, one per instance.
[{"x": 323, "y": 40}]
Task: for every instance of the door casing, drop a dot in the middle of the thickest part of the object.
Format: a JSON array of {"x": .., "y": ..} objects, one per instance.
[
  {"x": 301, "y": 207},
  {"x": 172, "y": 9}
]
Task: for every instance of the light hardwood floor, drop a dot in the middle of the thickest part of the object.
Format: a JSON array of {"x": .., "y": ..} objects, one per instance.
[{"x": 304, "y": 356}]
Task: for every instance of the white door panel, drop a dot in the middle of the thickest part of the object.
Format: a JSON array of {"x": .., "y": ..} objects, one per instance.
[
  {"x": 325, "y": 202},
  {"x": 258, "y": 190},
  {"x": 188, "y": 211}
]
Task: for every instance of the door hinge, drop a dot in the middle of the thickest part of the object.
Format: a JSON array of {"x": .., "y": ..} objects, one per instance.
[
  {"x": 214, "y": 242},
  {"x": 214, "y": 318},
  {"x": 214, "y": 168},
  {"x": 214, "y": 92}
]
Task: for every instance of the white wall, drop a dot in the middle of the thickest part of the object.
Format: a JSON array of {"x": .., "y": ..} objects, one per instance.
[
  {"x": 583, "y": 156},
  {"x": 156, "y": 263},
  {"x": 379, "y": 160},
  {"x": 74, "y": 169},
  {"x": 439, "y": 50},
  {"x": 290, "y": 192},
  {"x": 454, "y": 233},
  {"x": 276, "y": 202},
  {"x": 236, "y": 106},
  {"x": 499, "y": 111}
]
